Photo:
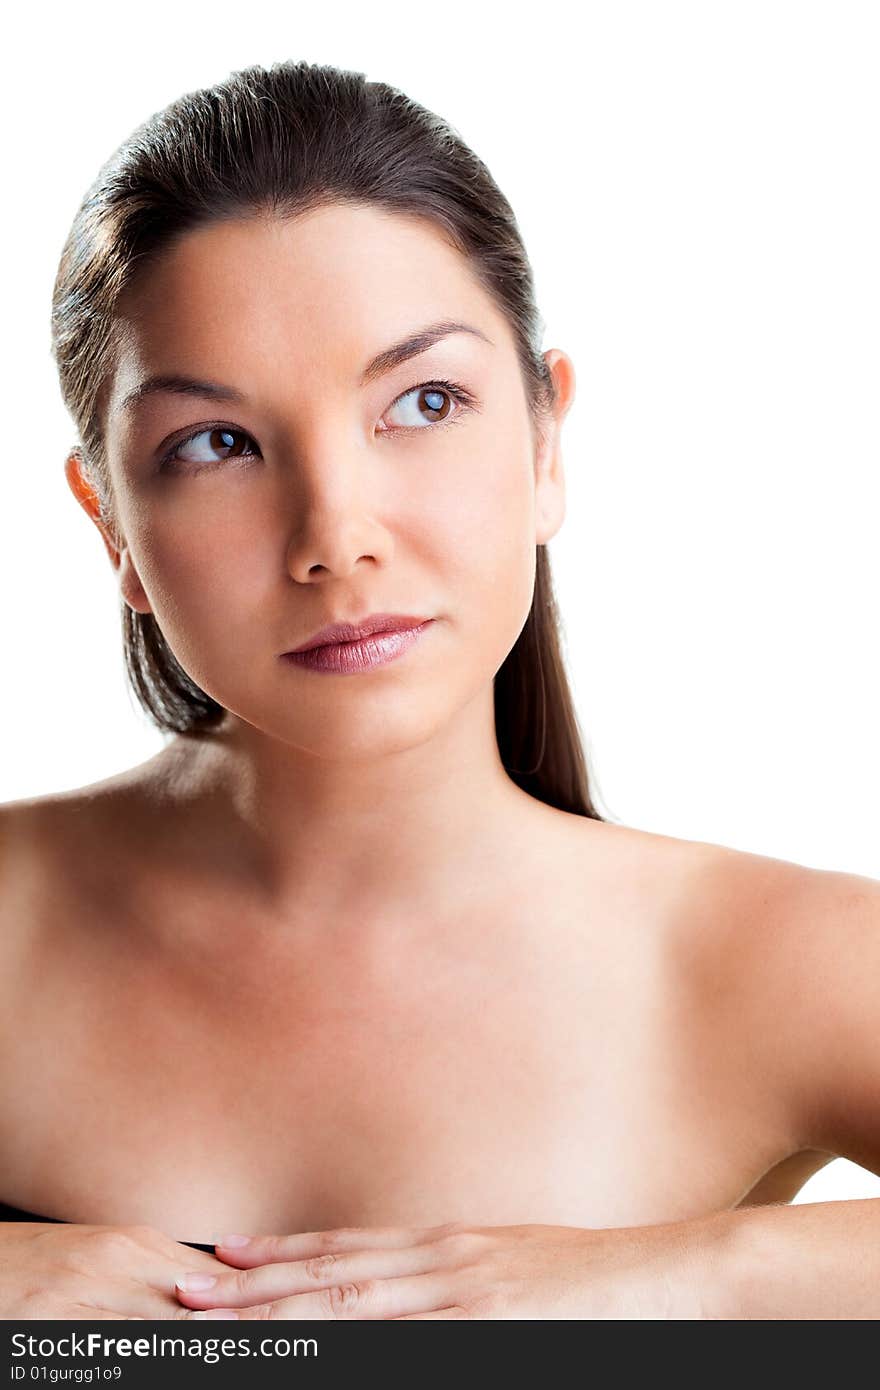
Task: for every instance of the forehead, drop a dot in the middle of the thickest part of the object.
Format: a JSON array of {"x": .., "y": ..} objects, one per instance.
[{"x": 317, "y": 291}]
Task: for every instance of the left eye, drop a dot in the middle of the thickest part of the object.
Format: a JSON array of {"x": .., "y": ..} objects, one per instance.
[
  {"x": 219, "y": 437},
  {"x": 428, "y": 405}
]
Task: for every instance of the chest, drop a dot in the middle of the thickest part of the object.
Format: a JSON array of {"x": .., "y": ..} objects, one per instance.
[{"x": 509, "y": 1077}]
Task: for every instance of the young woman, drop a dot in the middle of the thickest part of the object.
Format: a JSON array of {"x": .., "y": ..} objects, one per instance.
[{"x": 355, "y": 965}]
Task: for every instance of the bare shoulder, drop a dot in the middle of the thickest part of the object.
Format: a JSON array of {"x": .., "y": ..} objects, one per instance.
[
  {"x": 738, "y": 935},
  {"x": 54, "y": 848},
  {"x": 39, "y": 836},
  {"x": 790, "y": 955},
  {"x": 27, "y": 880},
  {"x": 725, "y": 925},
  {"x": 24, "y": 840},
  {"x": 776, "y": 922}
]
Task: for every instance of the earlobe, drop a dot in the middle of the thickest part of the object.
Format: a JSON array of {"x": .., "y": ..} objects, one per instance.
[
  {"x": 549, "y": 507},
  {"x": 130, "y": 584},
  {"x": 86, "y": 495},
  {"x": 549, "y": 486}
]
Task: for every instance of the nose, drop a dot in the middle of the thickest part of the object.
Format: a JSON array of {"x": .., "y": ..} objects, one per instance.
[{"x": 336, "y": 526}]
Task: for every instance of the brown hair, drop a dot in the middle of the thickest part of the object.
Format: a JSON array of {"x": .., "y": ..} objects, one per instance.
[{"x": 280, "y": 141}]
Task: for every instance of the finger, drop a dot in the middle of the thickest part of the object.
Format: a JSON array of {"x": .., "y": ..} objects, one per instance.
[
  {"x": 133, "y": 1299},
  {"x": 363, "y": 1300},
  {"x": 266, "y": 1283},
  {"x": 261, "y": 1250}
]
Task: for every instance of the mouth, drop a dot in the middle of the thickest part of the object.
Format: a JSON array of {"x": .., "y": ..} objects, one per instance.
[
  {"x": 371, "y": 626},
  {"x": 364, "y": 653}
]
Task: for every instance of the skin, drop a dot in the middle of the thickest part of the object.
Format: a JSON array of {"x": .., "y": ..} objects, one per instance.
[
  {"x": 341, "y": 517},
  {"x": 333, "y": 945}
]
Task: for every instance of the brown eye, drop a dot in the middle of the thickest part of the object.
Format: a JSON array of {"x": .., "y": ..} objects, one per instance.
[
  {"x": 429, "y": 404},
  {"x": 436, "y": 402},
  {"x": 219, "y": 440}
]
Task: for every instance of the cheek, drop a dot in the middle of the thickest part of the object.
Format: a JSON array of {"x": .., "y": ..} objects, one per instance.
[
  {"x": 488, "y": 533},
  {"x": 200, "y": 566}
]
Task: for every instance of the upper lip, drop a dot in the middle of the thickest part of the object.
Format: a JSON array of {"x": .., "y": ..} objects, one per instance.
[{"x": 353, "y": 632}]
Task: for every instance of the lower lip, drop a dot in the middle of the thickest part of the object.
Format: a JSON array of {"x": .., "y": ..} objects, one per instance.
[{"x": 351, "y": 658}]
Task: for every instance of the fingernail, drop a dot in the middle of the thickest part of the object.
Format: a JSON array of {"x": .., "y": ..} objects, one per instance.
[
  {"x": 233, "y": 1242},
  {"x": 194, "y": 1283},
  {"x": 216, "y": 1313}
]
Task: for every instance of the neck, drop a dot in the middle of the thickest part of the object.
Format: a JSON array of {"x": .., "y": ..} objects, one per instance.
[{"x": 398, "y": 833}]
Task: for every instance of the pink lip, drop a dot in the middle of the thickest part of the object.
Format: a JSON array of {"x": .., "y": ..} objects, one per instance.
[
  {"x": 353, "y": 632},
  {"x": 350, "y": 658}
]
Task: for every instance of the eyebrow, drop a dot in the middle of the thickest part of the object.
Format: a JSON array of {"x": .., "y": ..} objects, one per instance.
[
  {"x": 384, "y": 361},
  {"x": 415, "y": 343}
]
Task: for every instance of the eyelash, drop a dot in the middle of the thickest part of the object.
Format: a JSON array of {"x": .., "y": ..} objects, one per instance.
[{"x": 452, "y": 388}]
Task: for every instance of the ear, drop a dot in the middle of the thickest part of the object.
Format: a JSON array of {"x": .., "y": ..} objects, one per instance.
[
  {"x": 86, "y": 495},
  {"x": 549, "y": 478}
]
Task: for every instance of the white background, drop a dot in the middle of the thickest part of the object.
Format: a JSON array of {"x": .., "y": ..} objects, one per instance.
[{"x": 697, "y": 187}]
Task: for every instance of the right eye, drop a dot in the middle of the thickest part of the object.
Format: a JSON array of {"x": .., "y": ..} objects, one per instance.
[{"x": 217, "y": 437}]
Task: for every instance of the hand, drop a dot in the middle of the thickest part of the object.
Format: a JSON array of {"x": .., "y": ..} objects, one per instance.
[
  {"x": 456, "y": 1271},
  {"x": 92, "y": 1273}
]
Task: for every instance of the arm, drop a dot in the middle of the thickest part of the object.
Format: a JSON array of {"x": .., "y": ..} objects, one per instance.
[
  {"x": 817, "y": 1261},
  {"x": 810, "y": 942},
  {"x": 809, "y": 1262}
]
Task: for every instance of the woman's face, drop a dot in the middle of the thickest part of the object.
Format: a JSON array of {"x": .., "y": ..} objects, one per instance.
[{"x": 309, "y": 494}]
